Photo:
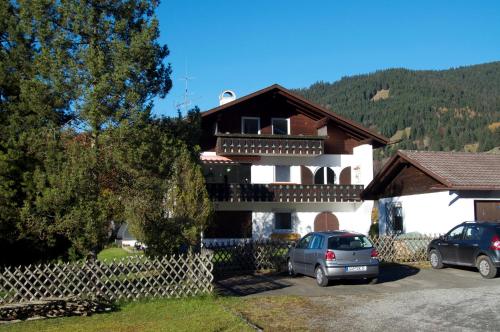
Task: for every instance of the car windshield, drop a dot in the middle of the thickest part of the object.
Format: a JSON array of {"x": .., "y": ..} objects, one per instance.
[{"x": 349, "y": 242}]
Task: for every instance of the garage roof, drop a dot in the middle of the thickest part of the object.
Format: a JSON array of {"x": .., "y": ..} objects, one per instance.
[{"x": 453, "y": 170}]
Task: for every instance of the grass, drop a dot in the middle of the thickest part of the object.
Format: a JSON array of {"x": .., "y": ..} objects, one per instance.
[
  {"x": 115, "y": 253},
  {"x": 278, "y": 313},
  {"x": 190, "y": 314},
  {"x": 270, "y": 313}
]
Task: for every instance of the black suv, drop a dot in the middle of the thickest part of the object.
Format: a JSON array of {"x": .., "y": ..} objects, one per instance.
[{"x": 469, "y": 244}]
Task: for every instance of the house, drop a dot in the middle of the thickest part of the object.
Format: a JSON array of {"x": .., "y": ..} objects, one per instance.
[
  {"x": 430, "y": 191},
  {"x": 277, "y": 165}
]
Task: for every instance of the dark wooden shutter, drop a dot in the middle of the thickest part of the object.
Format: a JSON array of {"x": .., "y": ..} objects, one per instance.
[
  {"x": 306, "y": 175},
  {"x": 345, "y": 176}
]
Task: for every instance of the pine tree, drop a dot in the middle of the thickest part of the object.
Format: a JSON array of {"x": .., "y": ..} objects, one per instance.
[
  {"x": 112, "y": 65},
  {"x": 34, "y": 99},
  {"x": 169, "y": 213}
]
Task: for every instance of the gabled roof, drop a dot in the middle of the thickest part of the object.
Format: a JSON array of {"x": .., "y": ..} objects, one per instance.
[
  {"x": 453, "y": 170},
  {"x": 377, "y": 139}
]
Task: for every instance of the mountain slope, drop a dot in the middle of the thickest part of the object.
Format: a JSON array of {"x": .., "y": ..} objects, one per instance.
[{"x": 455, "y": 109}]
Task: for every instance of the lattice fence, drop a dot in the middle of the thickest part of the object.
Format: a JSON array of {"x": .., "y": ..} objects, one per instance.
[
  {"x": 249, "y": 255},
  {"x": 403, "y": 248},
  {"x": 124, "y": 279},
  {"x": 239, "y": 257}
]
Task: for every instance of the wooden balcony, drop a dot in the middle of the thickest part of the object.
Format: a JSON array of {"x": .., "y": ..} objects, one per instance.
[
  {"x": 284, "y": 193},
  {"x": 269, "y": 145}
]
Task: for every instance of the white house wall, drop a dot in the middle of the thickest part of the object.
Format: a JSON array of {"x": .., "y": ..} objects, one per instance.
[
  {"x": 432, "y": 212},
  {"x": 361, "y": 163},
  {"x": 357, "y": 219},
  {"x": 262, "y": 174},
  {"x": 354, "y": 216}
]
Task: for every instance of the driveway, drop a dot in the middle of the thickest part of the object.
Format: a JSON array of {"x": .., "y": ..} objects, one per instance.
[
  {"x": 406, "y": 298},
  {"x": 393, "y": 279}
]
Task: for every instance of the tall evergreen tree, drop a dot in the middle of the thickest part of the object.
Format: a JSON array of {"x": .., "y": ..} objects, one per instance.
[
  {"x": 34, "y": 100},
  {"x": 116, "y": 68},
  {"x": 78, "y": 144}
]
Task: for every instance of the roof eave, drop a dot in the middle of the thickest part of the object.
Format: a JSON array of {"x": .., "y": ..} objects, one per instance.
[{"x": 377, "y": 139}]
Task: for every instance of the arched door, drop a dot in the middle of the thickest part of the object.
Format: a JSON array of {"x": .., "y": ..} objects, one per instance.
[
  {"x": 326, "y": 221},
  {"x": 324, "y": 175},
  {"x": 345, "y": 176}
]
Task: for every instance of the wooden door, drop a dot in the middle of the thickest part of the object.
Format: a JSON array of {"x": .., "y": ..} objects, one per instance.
[
  {"x": 326, "y": 221},
  {"x": 487, "y": 210}
]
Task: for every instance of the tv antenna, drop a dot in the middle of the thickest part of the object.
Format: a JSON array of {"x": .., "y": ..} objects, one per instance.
[{"x": 186, "y": 100}]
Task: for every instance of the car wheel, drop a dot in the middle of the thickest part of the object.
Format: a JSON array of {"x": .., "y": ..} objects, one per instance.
[
  {"x": 321, "y": 278},
  {"x": 291, "y": 271},
  {"x": 435, "y": 259},
  {"x": 486, "y": 267},
  {"x": 373, "y": 281}
]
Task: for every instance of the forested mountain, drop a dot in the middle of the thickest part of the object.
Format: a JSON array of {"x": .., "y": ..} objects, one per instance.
[{"x": 455, "y": 109}]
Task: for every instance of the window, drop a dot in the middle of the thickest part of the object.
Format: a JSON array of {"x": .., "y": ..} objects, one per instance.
[
  {"x": 394, "y": 218},
  {"x": 349, "y": 242},
  {"x": 280, "y": 127},
  {"x": 317, "y": 242},
  {"x": 324, "y": 173},
  {"x": 473, "y": 233},
  {"x": 398, "y": 218},
  {"x": 250, "y": 125},
  {"x": 281, "y": 173},
  {"x": 240, "y": 173},
  {"x": 283, "y": 221},
  {"x": 304, "y": 243},
  {"x": 456, "y": 234}
]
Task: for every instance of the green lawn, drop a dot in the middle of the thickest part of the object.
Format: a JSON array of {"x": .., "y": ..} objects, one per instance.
[
  {"x": 271, "y": 313},
  {"x": 193, "y": 314},
  {"x": 115, "y": 253}
]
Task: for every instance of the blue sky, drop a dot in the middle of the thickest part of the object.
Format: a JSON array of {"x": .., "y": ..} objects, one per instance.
[{"x": 248, "y": 45}]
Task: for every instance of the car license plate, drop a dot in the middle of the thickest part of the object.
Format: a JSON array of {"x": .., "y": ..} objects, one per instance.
[{"x": 355, "y": 268}]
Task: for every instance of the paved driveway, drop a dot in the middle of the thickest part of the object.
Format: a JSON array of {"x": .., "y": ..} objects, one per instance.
[
  {"x": 393, "y": 279},
  {"x": 405, "y": 299}
]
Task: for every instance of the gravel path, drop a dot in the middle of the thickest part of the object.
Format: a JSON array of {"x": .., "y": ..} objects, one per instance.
[
  {"x": 406, "y": 299},
  {"x": 473, "y": 309}
]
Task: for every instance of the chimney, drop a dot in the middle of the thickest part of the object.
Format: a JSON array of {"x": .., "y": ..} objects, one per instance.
[{"x": 226, "y": 96}]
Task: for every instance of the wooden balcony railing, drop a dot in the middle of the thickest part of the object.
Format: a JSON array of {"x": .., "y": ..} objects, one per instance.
[
  {"x": 283, "y": 193},
  {"x": 258, "y": 145}
]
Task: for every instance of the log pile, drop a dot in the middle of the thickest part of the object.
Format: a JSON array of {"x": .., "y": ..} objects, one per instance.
[{"x": 49, "y": 308}]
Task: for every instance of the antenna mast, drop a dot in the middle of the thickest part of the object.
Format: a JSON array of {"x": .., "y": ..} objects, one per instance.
[{"x": 187, "y": 101}]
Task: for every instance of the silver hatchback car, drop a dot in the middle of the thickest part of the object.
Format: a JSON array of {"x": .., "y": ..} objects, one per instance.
[{"x": 334, "y": 255}]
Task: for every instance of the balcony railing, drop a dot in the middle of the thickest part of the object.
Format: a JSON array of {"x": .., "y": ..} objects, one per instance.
[
  {"x": 284, "y": 193},
  {"x": 258, "y": 145}
]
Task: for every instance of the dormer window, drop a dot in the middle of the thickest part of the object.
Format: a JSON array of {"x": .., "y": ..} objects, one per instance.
[
  {"x": 281, "y": 126},
  {"x": 250, "y": 125}
]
